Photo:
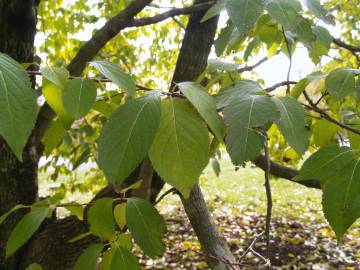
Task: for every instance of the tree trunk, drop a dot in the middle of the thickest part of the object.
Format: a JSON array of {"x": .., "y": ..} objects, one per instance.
[
  {"x": 18, "y": 180},
  {"x": 192, "y": 61}
]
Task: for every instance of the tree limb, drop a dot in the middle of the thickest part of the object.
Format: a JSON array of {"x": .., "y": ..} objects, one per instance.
[
  {"x": 171, "y": 13},
  {"x": 86, "y": 53},
  {"x": 345, "y": 45},
  {"x": 279, "y": 170}
]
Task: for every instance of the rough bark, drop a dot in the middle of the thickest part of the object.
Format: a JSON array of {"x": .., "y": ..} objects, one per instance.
[{"x": 18, "y": 180}]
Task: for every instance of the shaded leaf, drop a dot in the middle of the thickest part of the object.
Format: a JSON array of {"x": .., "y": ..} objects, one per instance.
[
  {"x": 54, "y": 135},
  {"x": 88, "y": 259},
  {"x": 341, "y": 82},
  {"x": 25, "y": 228},
  {"x": 214, "y": 10},
  {"x": 34, "y": 266},
  {"x": 123, "y": 259},
  {"x": 17, "y": 105},
  {"x": 319, "y": 11},
  {"x": 240, "y": 88},
  {"x": 16, "y": 207},
  {"x": 100, "y": 218},
  {"x": 325, "y": 162},
  {"x": 341, "y": 198},
  {"x": 127, "y": 137},
  {"x": 146, "y": 226},
  {"x": 292, "y": 124},
  {"x": 244, "y": 13}
]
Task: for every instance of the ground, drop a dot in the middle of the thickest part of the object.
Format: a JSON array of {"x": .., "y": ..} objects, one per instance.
[{"x": 300, "y": 236}]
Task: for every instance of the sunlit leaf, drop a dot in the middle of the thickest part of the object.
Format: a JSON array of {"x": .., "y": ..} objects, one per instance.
[
  {"x": 180, "y": 150},
  {"x": 205, "y": 105},
  {"x": 116, "y": 75},
  {"x": 78, "y": 97}
]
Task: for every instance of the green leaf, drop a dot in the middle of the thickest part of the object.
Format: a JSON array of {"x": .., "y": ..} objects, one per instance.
[
  {"x": 78, "y": 97},
  {"x": 251, "y": 111},
  {"x": 16, "y": 207},
  {"x": 243, "y": 144},
  {"x": 17, "y": 105},
  {"x": 216, "y": 166},
  {"x": 254, "y": 43},
  {"x": 54, "y": 135},
  {"x": 123, "y": 259},
  {"x": 240, "y": 88},
  {"x": 243, "y": 114},
  {"x": 125, "y": 240},
  {"x": 76, "y": 209},
  {"x": 223, "y": 39},
  {"x": 146, "y": 225},
  {"x": 57, "y": 75},
  {"x": 34, "y": 266},
  {"x": 319, "y": 11},
  {"x": 116, "y": 75},
  {"x": 325, "y": 162},
  {"x": 127, "y": 137},
  {"x": 88, "y": 259},
  {"x": 53, "y": 94},
  {"x": 214, "y": 10},
  {"x": 106, "y": 259},
  {"x": 324, "y": 132},
  {"x": 215, "y": 64},
  {"x": 25, "y": 228},
  {"x": 292, "y": 124},
  {"x": 101, "y": 219},
  {"x": 180, "y": 150},
  {"x": 204, "y": 103},
  {"x": 120, "y": 215},
  {"x": 244, "y": 13},
  {"x": 283, "y": 10},
  {"x": 341, "y": 82},
  {"x": 341, "y": 198}
]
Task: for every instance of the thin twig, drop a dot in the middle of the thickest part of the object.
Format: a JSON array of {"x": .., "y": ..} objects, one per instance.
[
  {"x": 268, "y": 195},
  {"x": 171, "y": 190},
  {"x": 249, "y": 68},
  {"x": 288, "y": 47},
  {"x": 312, "y": 106},
  {"x": 276, "y": 86}
]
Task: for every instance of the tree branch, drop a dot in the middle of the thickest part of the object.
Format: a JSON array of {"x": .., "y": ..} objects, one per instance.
[
  {"x": 87, "y": 53},
  {"x": 171, "y": 13},
  {"x": 344, "y": 45},
  {"x": 276, "y": 86},
  {"x": 327, "y": 117},
  {"x": 279, "y": 170},
  {"x": 105, "y": 34}
]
